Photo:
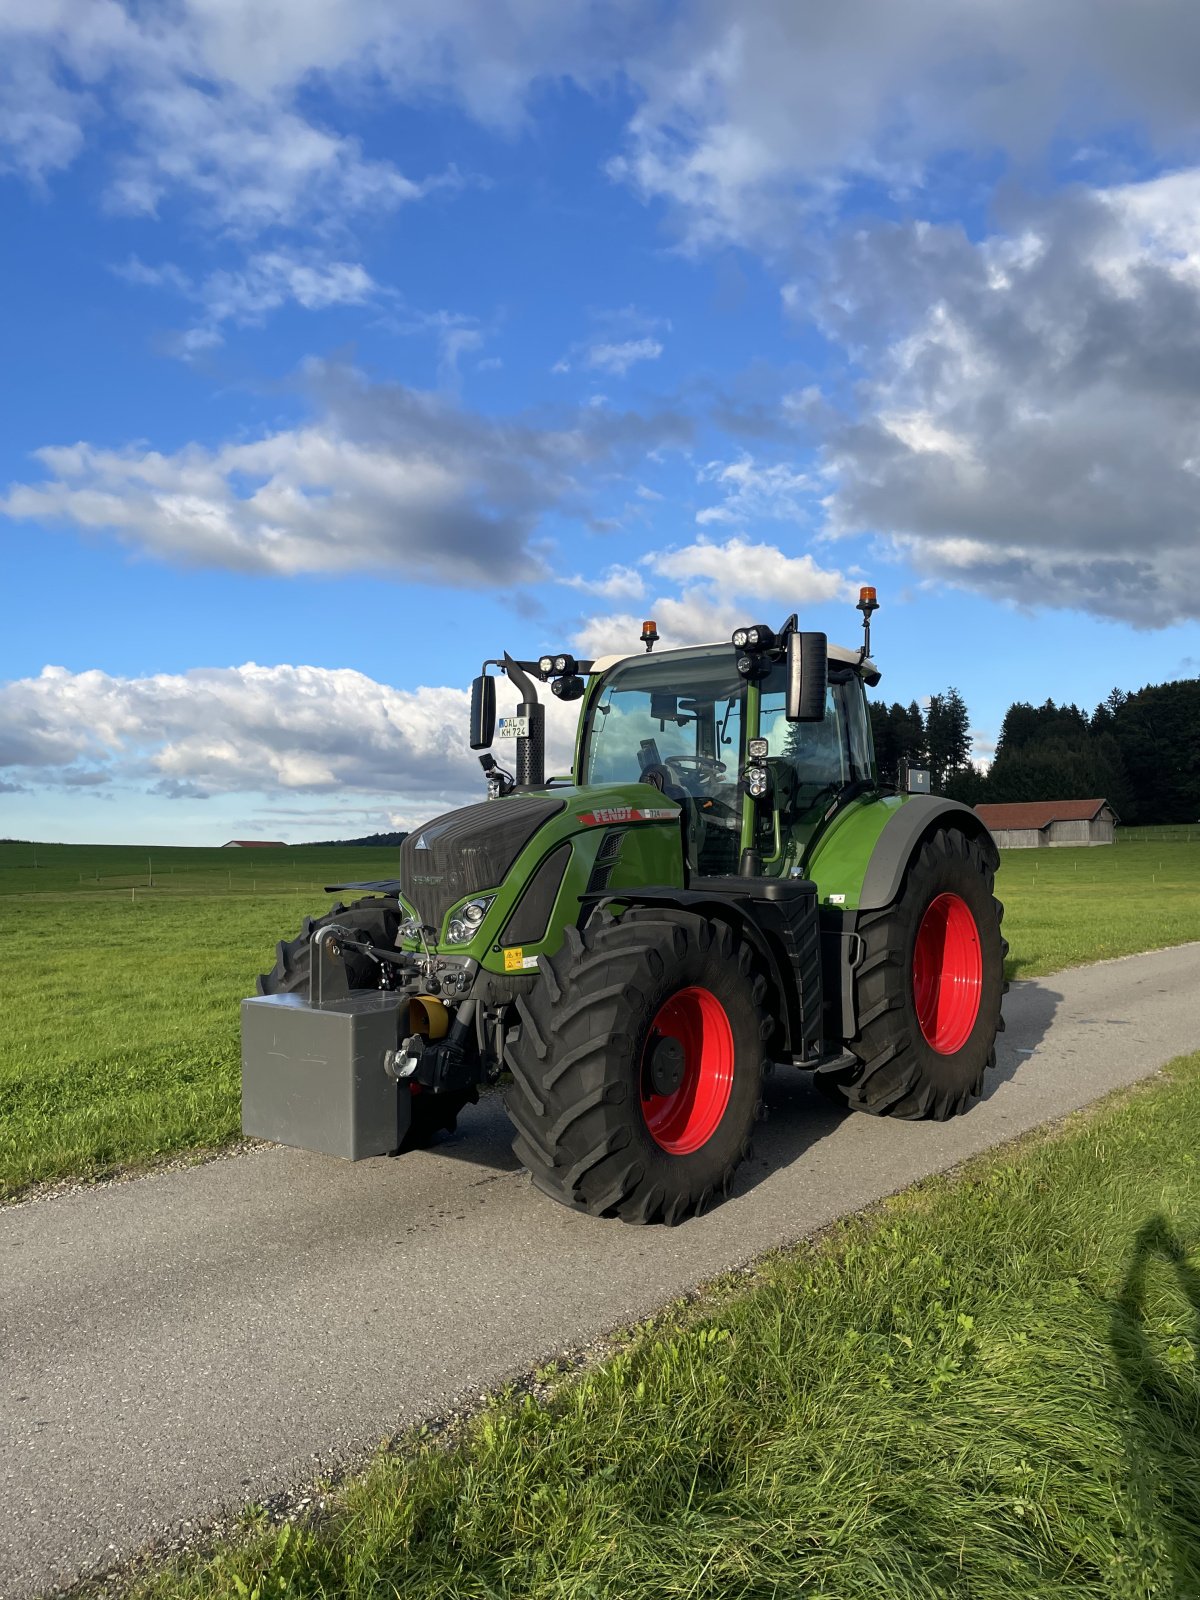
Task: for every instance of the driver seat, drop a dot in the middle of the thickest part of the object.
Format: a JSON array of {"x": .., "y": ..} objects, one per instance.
[{"x": 659, "y": 778}]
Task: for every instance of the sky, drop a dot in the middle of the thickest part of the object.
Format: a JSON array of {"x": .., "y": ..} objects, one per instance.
[{"x": 345, "y": 345}]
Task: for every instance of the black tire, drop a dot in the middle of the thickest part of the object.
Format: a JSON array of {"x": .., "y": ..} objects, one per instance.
[
  {"x": 581, "y": 1091},
  {"x": 378, "y": 920},
  {"x": 900, "y": 1073}
]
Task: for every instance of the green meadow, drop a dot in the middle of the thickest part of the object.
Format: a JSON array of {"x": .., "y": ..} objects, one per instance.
[
  {"x": 121, "y": 975},
  {"x": 123, "y": 967}
]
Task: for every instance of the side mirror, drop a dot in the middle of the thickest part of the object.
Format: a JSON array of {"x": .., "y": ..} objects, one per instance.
[
  {"x": 807, "y": 676},
  {"x": 483, "y": 712}
]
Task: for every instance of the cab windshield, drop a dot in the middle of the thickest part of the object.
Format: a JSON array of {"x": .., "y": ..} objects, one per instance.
[{"x": 676, "y": 722}]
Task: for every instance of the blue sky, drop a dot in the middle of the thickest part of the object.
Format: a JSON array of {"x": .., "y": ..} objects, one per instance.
[{"x": 344, "y": 348}]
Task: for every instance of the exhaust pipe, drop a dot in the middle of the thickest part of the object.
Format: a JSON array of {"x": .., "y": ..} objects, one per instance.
[{"x": 531, "y": 751}]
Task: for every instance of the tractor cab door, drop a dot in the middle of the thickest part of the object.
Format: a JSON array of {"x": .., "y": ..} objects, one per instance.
[
  {"x": 811, "y": 763},
  {"x": 676, "y": 722}
]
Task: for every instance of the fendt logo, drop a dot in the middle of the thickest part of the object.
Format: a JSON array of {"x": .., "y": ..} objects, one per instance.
[{"x": 610, "y": 814}]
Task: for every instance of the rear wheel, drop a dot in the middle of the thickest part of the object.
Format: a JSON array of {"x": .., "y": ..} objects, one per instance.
[
  {"x": 638, "y": 1065},
  {"x": 928, "y": 988},
  {"x": 376, "y": 921}
]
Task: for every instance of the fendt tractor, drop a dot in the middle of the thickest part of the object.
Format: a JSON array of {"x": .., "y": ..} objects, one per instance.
[{"x": 721, "y": 883}]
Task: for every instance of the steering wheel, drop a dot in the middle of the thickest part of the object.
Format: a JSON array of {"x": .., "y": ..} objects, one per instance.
[{"x": 702, "y": 766}]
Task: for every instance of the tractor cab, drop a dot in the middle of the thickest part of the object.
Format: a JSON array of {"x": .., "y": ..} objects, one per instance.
[{"x": 722, "y": 745}]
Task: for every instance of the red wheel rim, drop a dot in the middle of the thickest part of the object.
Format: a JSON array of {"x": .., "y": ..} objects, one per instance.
[
  {"x": 947, "y": 973},
  {"x": 686, "y": 1118}
]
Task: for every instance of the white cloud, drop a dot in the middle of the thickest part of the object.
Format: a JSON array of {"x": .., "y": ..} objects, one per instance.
[
  {"x": 41, "y": 120},
  {"x": 304, "y": 500},
  {"x": 252, "y": 166},
  {"x": 715, "y": 584},
  {"x": 745, "y": 117},
  {"x": 200, "y": 120},
  {"x": 280, "y": 730},
  {"x": 695, "y": 615},
  {"x": 618, "y": 358},
  {"x": 617, "y": 583},
  {"x": 246, "y": 295},
  {"x": 386, "y": 478},
  {"x": 1029, "y": 418},
  {"x": 234, "y": 729},
  {"x": 753, "y": 117},
  {"x": 753, "y": 571},
  {"x": 777, "y": 492}
]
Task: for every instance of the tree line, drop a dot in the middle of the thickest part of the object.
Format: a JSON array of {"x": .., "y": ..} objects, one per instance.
[{"x": 1139, "y": 750}]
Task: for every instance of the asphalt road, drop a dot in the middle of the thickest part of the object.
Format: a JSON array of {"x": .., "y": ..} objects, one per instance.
[{"x": 173, "y": 1347}]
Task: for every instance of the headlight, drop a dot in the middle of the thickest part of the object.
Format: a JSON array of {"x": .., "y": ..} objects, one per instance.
[
  {"x": 546, "y": 665},
  {"x": 741, "y": 638},
  {"x": 758, "y": 781},
  {"x": 409, "y": 929},
  {"x": 758, "y": 749},
  {"x": 463, "y": 924}
]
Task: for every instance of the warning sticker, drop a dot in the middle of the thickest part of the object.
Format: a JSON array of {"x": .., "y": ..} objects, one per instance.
[{"x": 515, "y": 960}]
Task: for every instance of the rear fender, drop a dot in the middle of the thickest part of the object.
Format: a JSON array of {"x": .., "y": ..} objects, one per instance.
[
  {"x": 741, "y": 918},
  {"x": 858, "y": 862},
  {"x": 902, "y": 836}
]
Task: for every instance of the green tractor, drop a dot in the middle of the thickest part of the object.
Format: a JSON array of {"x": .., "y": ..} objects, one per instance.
[{"x": 720, "y": 884}]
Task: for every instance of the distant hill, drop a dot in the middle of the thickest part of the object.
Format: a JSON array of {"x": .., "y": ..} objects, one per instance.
[{"x": 378, "y": 839}]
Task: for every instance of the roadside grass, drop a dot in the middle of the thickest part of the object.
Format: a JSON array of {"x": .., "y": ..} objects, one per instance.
[
  {"x": 119, "y": 1002},
  {"x": 1065, "y": 907},
  {"x": 123, "y": 968},
  {"x": 986, "y": 1389}
]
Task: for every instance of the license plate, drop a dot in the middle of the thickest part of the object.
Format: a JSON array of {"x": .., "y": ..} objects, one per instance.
[{"x": 512, "y": 728}]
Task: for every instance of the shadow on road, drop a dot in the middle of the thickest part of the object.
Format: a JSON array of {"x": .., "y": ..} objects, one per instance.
[
  {"x": 1162, "y": 1402},
  {"x": 1029, "y": 1010},
  {"x": 797, "y": 1115}
]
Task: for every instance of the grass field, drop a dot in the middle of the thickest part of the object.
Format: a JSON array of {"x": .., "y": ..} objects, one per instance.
[
  {"x": 987, "y": 1390},
  {"x": 123, "y": 969},
  {"x": 1066, "y": 907},
  {"x": 119, "y": 999}
]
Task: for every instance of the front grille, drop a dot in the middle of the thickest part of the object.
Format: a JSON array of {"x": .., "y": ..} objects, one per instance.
[
  {"x": 468, "y": 851},
  {"x": 606, "y": 859}
]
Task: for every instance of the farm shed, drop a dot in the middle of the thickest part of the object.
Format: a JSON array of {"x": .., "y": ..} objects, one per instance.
[
  {"x": 1038, "y": 824},
  {"x": 254, "y": 844}
]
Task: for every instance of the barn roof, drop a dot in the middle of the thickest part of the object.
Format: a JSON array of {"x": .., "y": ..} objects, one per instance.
[
  {"x": 255, "y": 844},
  {"x": 1040, "y": 813}
]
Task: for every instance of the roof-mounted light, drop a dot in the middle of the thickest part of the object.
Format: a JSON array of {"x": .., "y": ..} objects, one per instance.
[{"x": 756, "y": 636}]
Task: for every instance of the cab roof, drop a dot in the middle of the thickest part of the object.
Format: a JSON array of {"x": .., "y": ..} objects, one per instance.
[{"x": 837, "y": 652}]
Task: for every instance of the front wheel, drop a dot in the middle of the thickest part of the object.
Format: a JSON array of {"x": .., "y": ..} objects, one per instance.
[
  {"x": 929, "y": 986},
  {"x": 638, "y": 1065}
]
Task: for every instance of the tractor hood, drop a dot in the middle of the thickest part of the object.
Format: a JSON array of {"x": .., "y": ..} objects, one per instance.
[
  {"x": 546, "y": 842},
  {"x": 465, "y": 852}
]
